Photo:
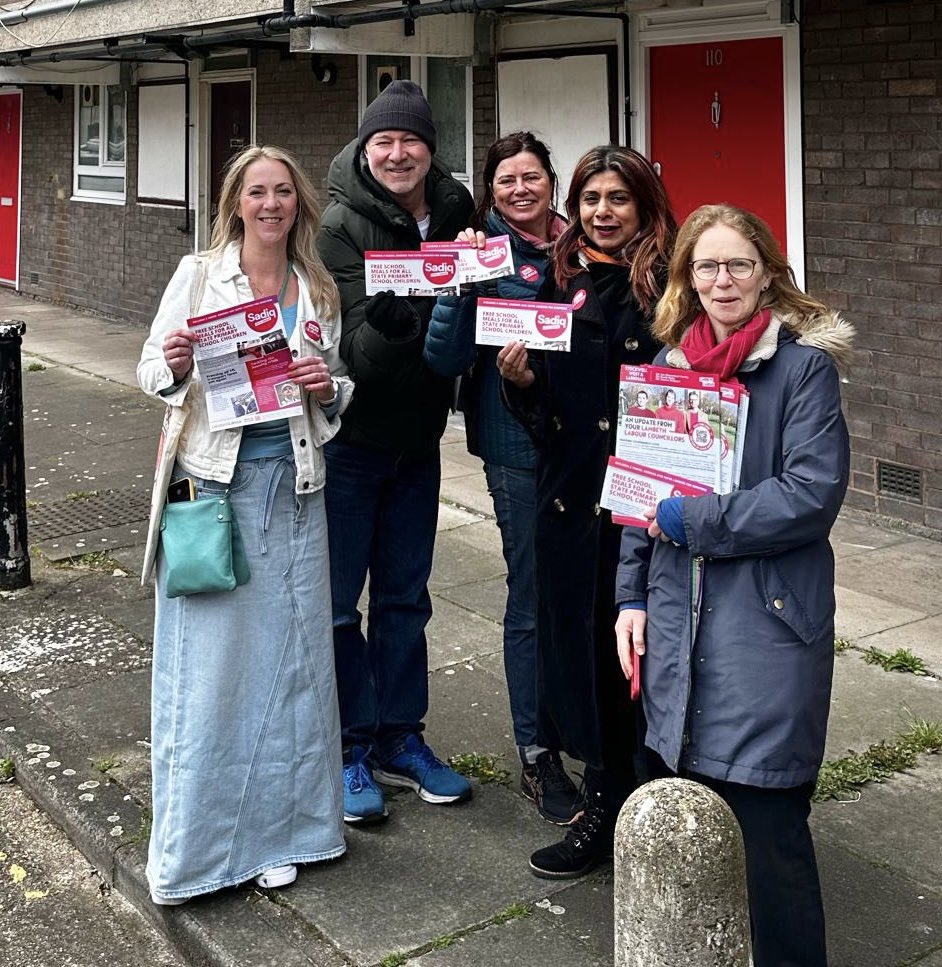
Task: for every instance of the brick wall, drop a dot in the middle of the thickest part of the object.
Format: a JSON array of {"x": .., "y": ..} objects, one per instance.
[
  {"x": 117, "y": 259},
  {"x": 114, "y": 259},
  {"x": 872, "y": 84}
]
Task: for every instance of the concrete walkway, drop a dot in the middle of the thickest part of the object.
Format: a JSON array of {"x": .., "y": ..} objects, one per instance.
[{"x": 444, "y": 886}]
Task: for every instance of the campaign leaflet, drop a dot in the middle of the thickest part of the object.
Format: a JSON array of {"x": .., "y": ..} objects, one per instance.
[
  {"x": 669, "y": 419},
  {"x": 478, "y": 264},
  {"x": 539, "y": 325},
  {"x": 734, "y": 404},
  {"x": 412, "y": 273},
  {"x": 630, "y": 489},
  {"x": 243, "y": 359}
]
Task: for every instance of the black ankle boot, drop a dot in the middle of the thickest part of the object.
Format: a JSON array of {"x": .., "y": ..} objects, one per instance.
[{"x": 589, "y": 842}]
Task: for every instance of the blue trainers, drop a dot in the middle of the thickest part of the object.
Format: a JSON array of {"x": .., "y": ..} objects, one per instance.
[
  {"x": 417, "y": 768},
  {"x": 362, "y": 798}
]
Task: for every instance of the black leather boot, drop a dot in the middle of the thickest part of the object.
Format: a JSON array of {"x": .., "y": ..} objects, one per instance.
[{"x": 589, "y": 842}]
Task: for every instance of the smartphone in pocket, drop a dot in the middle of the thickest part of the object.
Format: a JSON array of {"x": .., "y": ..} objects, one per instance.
[{"x": 179, "y": 490}]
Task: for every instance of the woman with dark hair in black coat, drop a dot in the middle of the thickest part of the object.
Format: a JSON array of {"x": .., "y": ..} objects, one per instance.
[{"x": 609, "y": 264}]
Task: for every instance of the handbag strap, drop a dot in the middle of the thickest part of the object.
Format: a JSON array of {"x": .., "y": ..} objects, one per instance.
[{"x": 197, "y": 286}]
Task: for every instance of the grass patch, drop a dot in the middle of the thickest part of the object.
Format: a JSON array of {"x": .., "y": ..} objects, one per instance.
[
  {"x": 841, "y": 645},
  {"x": 143, "y": 833},
  {"x": 32, "y": 504},
  {"x": 901, "y": 660},
  {"x": 516, "y": 911},
  {"x": 841, "y": 778},
  {"x": 394, "y": 960},
  {"x": 96, "y": 561},
  {"x": 7, "y": 770},
  {"x": 481, "y": 766},
  {"x": 106, "y": 763},
  {"x": 442, "y": 943},
  {"x": 80, "y": 494},
  {"x": 35, "y": 368}
]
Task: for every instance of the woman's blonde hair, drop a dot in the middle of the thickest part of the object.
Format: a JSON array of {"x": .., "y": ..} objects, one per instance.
[
  {"x": 680, "y": 304},
  {"x": 302, "y": 247}
]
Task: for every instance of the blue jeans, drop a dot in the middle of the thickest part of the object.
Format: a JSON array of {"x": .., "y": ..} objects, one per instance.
[
  {"x": 514, "y": 494},
  {"x": 382, "y": 512}
]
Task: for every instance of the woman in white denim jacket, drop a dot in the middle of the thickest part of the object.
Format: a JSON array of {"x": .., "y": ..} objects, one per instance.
[{"x": 244, "y": 725}]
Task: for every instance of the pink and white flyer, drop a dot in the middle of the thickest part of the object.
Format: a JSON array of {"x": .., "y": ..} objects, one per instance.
[
  {"x": 243, "y": 359},
  {"x": 539, "y": 325},
  {"x": 412, "y": 273},
  {"x": 630, "y": 489},
  {"x": 478, "y": 264}
]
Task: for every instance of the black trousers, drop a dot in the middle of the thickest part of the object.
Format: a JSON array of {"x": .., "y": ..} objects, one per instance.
[{"x": 781, "y": 870}]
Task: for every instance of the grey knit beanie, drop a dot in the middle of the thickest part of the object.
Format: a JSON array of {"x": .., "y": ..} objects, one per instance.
[{"x": 400, "y": 107}]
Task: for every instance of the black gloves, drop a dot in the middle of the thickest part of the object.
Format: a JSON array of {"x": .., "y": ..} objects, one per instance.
[{"x": 392, "y": 315}]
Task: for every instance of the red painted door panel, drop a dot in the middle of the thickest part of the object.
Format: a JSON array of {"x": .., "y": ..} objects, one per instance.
[
  {"x": 10, "y": 108},
  {"x": 718, "y": 125}
]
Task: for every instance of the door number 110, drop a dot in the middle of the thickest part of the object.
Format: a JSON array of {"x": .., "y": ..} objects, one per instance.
[{"x": 714, "y": 57}]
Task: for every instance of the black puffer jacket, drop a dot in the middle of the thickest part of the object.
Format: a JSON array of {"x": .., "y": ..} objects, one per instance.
[{"x": 400, "y": 403}]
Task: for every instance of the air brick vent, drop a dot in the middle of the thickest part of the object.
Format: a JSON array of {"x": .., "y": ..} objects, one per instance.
[{"x": 896, "y": 481}]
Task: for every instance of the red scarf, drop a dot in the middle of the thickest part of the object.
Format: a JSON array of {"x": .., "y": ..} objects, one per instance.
[{"x": 707, "y": 356}]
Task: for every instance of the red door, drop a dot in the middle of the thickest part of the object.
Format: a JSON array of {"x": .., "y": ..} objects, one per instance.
[
  {"x": 10, "y": 110},
  {"x": 718, "y": 126}
]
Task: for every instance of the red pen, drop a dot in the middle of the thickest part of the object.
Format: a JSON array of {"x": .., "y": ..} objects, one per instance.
[{"x": 635, "y": 675}]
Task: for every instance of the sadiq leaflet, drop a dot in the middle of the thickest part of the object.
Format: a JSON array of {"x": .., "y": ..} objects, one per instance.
[
  {"x": 539, "y": 325},
  {"x": 412, "y": 273},
  {"x": 243, "y": 359},
  {"x": 630, "y": 489},
  {"x": 477, "y": 264}
]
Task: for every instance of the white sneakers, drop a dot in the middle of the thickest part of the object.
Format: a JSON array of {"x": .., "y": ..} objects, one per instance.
[
  {"x": 277, "y": 876},
  {"x": 269, "y": 880}
]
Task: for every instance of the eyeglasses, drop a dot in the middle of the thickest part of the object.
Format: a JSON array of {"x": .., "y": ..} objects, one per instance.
[{"x": 709, "y": 269}]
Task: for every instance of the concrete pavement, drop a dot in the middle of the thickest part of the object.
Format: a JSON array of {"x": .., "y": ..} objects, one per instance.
[{"x": 442, "y": 887}]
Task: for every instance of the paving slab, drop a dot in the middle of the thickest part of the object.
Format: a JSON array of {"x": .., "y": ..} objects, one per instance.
[
  {"x": 451, "y": 855},
  {"x": 860, "y": 614},
  {"x": 908, "y": 573},
  {"x": 869, "y": 704},
  {"x": 532, "y": 941},
  {"x": 875, "y": 917},
  {"x": 457, "y": 633},
  {"x": 896, "y": 825},
  {"x": 486, "y": 598},
  {"x": 922, "y": 637}
]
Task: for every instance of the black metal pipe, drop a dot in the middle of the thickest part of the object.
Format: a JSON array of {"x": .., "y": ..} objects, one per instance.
[{"x": 14, "y": 550}]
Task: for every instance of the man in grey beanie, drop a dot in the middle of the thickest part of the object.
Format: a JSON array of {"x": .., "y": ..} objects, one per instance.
[{"x": 383, "y": 467}]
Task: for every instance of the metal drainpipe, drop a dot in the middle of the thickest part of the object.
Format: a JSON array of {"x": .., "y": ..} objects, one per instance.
[
  {"x": 57, "y": 6},
  {"x": 185, "y": 227}
]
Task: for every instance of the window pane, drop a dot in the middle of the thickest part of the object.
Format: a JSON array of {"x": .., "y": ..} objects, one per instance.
[
  {"x": 447, "y": 95},
  {"x": 116, "y": 127},
  {"x": 381, "y": 69},
  {"x": 101, "y": 183},
  {"x": 89, "y": 125}
]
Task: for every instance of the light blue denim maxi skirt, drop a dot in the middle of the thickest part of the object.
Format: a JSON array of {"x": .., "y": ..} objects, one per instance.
[{"x": 245, "y": 730}]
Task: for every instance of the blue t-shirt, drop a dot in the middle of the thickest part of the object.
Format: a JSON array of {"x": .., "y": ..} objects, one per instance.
[{"x": 271, "y": 439}]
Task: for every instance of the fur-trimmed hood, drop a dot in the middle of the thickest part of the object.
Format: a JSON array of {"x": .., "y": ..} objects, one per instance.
[{"x": 828, "y": 332}]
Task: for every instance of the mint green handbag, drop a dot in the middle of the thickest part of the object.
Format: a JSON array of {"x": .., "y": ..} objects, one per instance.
[{"x": 202, "y": 547}]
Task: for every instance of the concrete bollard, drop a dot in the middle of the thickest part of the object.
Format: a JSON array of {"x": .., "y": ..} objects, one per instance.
[
  {"x": 680, "y": 879},
  {"x": 14, "y": 554}
]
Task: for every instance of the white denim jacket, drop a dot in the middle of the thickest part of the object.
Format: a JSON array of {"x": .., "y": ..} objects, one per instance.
[{"x": 186, "y": 436}]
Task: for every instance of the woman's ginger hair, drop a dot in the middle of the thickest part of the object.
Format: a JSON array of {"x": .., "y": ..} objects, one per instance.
[
  {"x": 302, "y": 248},
  {"x": 647, "y": 255},
  {"x": 680, "y": 304}
]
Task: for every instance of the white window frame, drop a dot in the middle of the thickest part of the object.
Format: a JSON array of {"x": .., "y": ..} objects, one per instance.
[
  {"x": 418, "y": 71},
  {"x": 104, "y": 168}
]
